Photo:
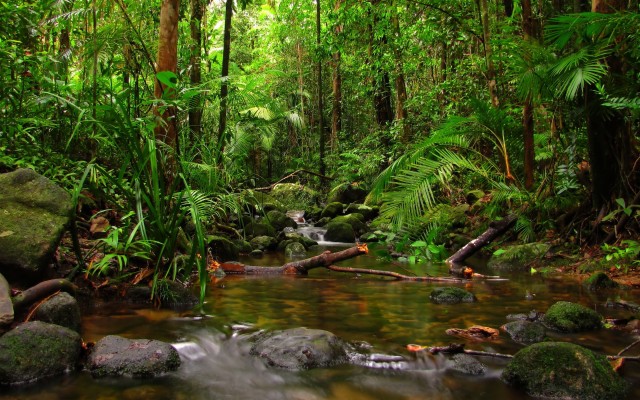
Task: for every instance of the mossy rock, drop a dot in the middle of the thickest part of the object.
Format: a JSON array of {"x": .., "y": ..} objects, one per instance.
[
  {"x": 525, "y": 332},
  {"x": 279, "y": 220},
  {"x": 36, "y": 350},
  {"x": 468, "y": 365},
  {"x": 332, "y": 210},
  {"x": 368, "y": 213},
  {"x": 254, "y": 229},
  {"x": 243, "y": 246},
  {"x": 295, "y": 196},
  {"x": 222, "y": 248},
  {"x": 295, "y": 250},
  {"x": 516, "y": 258},
  {"x": 556, "y": 370},
  {"x": 565, "y": 316},
  {"x": 355, "y": 220},
  {"x": 599, "y": 281},
  {"x": 451, "y": 295},
  {"x": 61, "y": 309},
  {"x": 340, "y": 232},
  {"x": 34, "y": 213},
  {"x": 347, "y": 194},
  {"x": 264, "y": 243}
]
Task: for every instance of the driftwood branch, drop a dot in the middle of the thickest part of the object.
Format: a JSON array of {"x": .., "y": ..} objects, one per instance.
[
  {"x": 41, "y": 291},
  {"x": 496, "y": 229},
  {"x": 300, "y": 267},
  {"x": 291, "y": 175},
  {"x": 395, "y": 275}
]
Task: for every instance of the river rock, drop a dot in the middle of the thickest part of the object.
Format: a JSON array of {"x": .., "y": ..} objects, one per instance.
[
  {"x": 61, "y": 309},
  {"x": 33, "y": 215},
  {"x": 555, "y": 370},
  {"x": 36, "y": 350},
  {"x": 264, "y": 243},
  {"x": 300, "y": 348},
  {"x": 332, "y": 210},
  {"x": 564, "y": 316},
  {"x": 525, "y": 332},
  {"x": 451, "y": 295},
  {"x": 599, "y": 281},
  {"x": 355, "y": 220},
  {"x": 295, "y": 250},
  {"x": 140, "y": 358},
  {"x": 516, "y": 258},
  {"x": 6, "y": 306},
  {"x": 279, "y": 220},
  {"x": 468, "y": 365},
  {"x": 367, "y": 212},
  {"x": 295, "y": 196},
  {"x": 223, "y": 248},
  {"x": 348, "y": 194},
  {"x": 254, "y": 229},
  {"x": 340, "y": 232}
]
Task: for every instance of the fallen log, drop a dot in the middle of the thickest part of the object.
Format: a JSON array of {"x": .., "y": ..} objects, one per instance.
[
  {"x": 300, "y": 267},
  {"x": 40, "y": 291},
  {"x": 496, "y": 229}
]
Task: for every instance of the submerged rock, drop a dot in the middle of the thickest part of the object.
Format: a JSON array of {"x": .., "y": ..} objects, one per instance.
[
  {"x": 598, "y": 281},
  {"x": 34, "y": 214},
  {"x": 140, "y": 358},
  {"x": 451, "y": 295},
  {"x": 466, "y": 364},
  {"x": 565, "y": 316},
  {"x": 525, "y": 332},
  {"x": 36, "y": 350},
  {"x": 6, "y": 306},
  {"x": 295, "y": 250},
  {"x": 300, "y": 348},
  {"x": 61, "y": 309},
  {"x": 556, "y": 370},
  {"x": 516, "y": 258}
]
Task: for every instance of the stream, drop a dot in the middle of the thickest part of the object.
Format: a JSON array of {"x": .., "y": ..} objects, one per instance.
[{"x": 387, "y": 315}]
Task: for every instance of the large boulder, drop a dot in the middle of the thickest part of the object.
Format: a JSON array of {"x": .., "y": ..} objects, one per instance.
[
  {"x": 367, "y": 212},
  {"x": 253, "y": 229},
  {"x": 348, "y": 194},
  {"x": 36, "y": 350},
  {"x": 279, "y": 220},
  {"x": 451, "y": 295},
  {"x": 264, "y": 243},
  {"x": 516, "y": 258},
  {"x": 355, "y": 220},
  {"x": 332, "y": 210},
  {"x": 33, "y": 215},
  {"x": 223, "y": 248},
  {"x": 61, "y": 309},
  {"x": 295, "y": 196},
  {"x": 300, "y": 348},
  {"x": 140, "y": 358},
  {"x": 6, "y": 306},
  {"x": 554, "y": 370},
  {"x": 340, "y": 232},
  {"x": 565, "y": 316}
]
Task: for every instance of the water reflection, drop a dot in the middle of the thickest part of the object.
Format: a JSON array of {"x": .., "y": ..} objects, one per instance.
[{"x": 387, "y": 315}]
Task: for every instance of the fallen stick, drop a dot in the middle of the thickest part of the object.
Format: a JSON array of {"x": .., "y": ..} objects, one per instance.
[
  {"x": 496, "y": 228},
  {"x": 395, "y": 275},
  {"x": 40, "y": 291}
]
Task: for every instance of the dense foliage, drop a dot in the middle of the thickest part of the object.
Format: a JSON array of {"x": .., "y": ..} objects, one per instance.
[{"x": 534, "y": 105}]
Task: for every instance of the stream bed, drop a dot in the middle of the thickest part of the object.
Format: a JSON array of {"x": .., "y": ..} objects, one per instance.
[{"x": 387, "y": 315}]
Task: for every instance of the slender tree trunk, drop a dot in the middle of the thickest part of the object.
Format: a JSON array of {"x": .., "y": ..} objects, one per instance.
[
  {"x": 401, "y": 87},
  {"x": 195, "y": 76},
  {"x": 381, "y": 81},
  {"x": 527, "y": 110},
  {"x": 488, "y": 53},
  {"x": 168, "y": 61},
  {"x": 65, "y": 45},
  {"x": 321, "y": 128},
  {"x": 336, "y": 109},
  {"x": 224, "y": 84}
]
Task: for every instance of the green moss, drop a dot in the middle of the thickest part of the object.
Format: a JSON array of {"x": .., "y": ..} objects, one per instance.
[
  {"x": 451, "y": 295},
  {"x": 517, "y": 257},
  {"x": 600, "y": 280},
  {"x": 355, "y": 220},
  {"x": 570, "y": 317},
  {"x": 340, "y": 232},
  {"x": 332, "y": 210},
  {"x": 563, "y": 370}
]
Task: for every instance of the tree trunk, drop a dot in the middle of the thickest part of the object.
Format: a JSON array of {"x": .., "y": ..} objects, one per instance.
[
  {"x": 41, "y": 291},
  {"x": 381, "y": 82},
  {"x": 224, "y": 84},
  {"x": 528, "y": 123},
  {"x": 321, "y": 127},
  {"x": 167, "y": 61},
  {"x": 336, "y": 109},
  {"x": 401, "y": 87},
  {"x": 195, "y": 109},
  {"x": 488, "y": 53}
]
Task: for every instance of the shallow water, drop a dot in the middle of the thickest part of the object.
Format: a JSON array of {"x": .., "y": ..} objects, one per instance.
[{"x": 387, "y": 315}]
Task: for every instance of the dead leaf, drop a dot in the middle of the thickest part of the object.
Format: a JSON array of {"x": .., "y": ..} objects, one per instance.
[
  {"x": 99, "y": 225},
  {"x": 475, "y": 332}
]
